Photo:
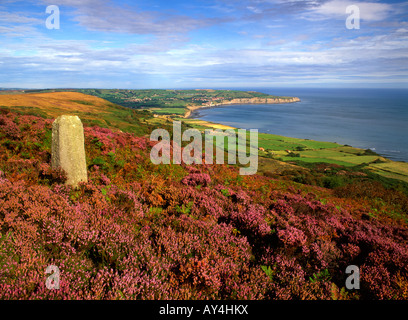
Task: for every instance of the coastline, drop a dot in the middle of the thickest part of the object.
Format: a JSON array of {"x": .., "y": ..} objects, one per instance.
[
  {"x": 192, "y": 110},
  {"x": 311, "y": 151}
]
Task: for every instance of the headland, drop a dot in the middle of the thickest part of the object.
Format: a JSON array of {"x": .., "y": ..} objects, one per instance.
[{"x": 256, "y": 100}]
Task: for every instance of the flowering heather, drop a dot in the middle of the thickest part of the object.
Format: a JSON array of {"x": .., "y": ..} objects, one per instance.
[
  {"x": 194, "y": 179},
  {"x": 140, "y": 231}
]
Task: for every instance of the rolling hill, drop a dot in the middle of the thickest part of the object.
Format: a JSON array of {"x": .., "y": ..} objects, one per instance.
[{"x": 92, "y": 110}]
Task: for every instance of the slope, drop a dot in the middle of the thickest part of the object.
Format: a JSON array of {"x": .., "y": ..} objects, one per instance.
[{"x": 92, "y": 110}]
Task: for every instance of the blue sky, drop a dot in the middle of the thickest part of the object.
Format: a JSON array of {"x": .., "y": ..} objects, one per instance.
[{"x": 209, "y": 43}]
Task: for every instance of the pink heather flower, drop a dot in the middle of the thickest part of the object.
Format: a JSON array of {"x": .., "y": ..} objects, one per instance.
[
  {"x": 194, "y": 179},
  {"x": 292, "y": 236}
]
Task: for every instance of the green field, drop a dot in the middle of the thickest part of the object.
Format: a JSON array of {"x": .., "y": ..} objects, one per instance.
[
  {"x": 169, "y": 111},
  {"x": 304, "y": 152}
]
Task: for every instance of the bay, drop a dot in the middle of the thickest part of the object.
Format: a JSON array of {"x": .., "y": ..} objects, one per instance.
[{"x": 374, "y": 119}]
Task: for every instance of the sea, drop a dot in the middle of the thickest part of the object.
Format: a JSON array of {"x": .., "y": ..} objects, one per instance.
[{"x": 375, "y": 119}]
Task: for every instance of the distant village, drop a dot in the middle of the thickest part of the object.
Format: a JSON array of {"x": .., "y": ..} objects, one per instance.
[{"x": 201, "y": 100}]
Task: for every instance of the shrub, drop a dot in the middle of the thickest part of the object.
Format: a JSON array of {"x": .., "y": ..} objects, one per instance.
[{"x": 194, "y": 179}]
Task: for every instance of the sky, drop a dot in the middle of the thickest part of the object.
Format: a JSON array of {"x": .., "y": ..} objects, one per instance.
[{"x": 203, "y": 44}]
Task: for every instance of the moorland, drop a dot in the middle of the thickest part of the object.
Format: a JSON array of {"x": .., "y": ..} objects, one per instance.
[{"x": 141, "y": 231}]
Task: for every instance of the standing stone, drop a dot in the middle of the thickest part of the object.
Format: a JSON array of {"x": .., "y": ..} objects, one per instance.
[{"x": 68, "y": 148}]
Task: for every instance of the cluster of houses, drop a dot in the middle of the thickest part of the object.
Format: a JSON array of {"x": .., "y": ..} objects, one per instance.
[{"x": 209, "y": 99}]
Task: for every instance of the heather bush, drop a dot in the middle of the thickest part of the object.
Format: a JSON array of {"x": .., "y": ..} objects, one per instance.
[
  {"x": 194, "y": 179},
  {"x": 8, "y": 126}
]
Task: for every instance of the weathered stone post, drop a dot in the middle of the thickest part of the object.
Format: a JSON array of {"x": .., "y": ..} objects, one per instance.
[{"x": 68, "y": 148}]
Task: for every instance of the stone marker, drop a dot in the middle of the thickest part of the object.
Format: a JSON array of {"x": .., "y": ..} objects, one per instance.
[{"x": 68, "y": 148}]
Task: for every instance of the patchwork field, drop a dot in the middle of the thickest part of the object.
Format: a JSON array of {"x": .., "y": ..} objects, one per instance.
[
  {"x": 294, "y": 150},
  {"x": 391, "y": 169}
]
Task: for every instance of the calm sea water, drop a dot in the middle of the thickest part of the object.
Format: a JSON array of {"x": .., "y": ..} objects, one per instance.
[{"x": 363, "y": 118}]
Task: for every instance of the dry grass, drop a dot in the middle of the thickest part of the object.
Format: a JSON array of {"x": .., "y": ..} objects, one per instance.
[{"x": 57, "y": 103}]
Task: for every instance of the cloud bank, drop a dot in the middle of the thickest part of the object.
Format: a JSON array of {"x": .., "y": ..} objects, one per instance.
[{"x": 220, "y": 43}]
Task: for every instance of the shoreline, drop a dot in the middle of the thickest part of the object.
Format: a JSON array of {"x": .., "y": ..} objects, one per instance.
[
  {"x": 192, "y": 110},
  {"x": 347, "y": 156}
]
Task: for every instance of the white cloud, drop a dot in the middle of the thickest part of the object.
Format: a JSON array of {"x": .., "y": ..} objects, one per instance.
[
  {"x": 10, "y": 17},
  {"x": 292, "y": 54},
  {"x": 254, "y": 9},
  {"x": 402, "y": 30},
  {"x": 369, "y": 11},
  {"x": 107, "y": 16}
]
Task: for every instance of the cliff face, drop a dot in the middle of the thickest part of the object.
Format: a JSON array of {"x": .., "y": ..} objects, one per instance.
[
  {"x": 257, "y": 101},
  {"x": 242, "y": 101}
]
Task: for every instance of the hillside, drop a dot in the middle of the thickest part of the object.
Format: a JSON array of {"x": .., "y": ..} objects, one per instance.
[
  {"x": 92, "y": 110},
  {"x": 141, "y": 231},
  {"x": 277, "y": 153}
]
